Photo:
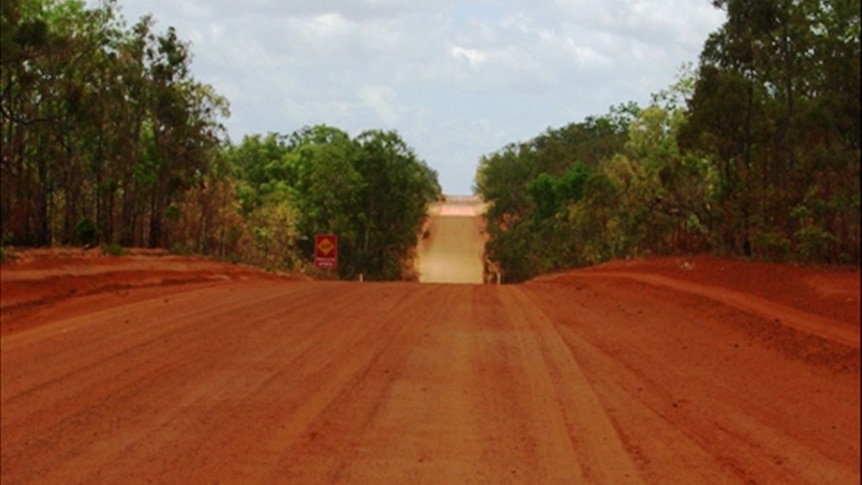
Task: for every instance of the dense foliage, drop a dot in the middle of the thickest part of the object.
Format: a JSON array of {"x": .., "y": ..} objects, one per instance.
[
  {"x": 101, "y": 126},
  {"x": 108, "y": 139},
  {"x": 755, "y": 154},
  {"x": 372, "y": 191}
]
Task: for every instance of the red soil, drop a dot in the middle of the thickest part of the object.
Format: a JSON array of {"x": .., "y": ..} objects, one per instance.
[{"x": 152, "y": 368}]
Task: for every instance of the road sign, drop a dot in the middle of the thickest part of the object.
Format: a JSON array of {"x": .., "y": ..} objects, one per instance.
[{"x": 326, "y": 251}]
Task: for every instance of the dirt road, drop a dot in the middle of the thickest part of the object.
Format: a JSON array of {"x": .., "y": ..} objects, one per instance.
[
  {"x": 664, "y": 371},
  {"x": 453, "y": 246}
]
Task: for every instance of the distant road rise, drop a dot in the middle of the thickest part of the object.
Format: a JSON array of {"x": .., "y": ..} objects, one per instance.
[{"x": 452, "y": 252}]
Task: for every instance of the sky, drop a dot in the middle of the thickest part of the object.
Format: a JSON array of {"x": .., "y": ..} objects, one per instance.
[{"x": 456, "y": 79}]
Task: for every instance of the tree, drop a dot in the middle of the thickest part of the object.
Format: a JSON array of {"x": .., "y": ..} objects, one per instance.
[
  {"x": 531, "y": 186},
  {"x": 98, "y": 123},
  {"x": 326, "y": 189},
  {"x": 393, "y": 203},
  {"x": 758, "y": 113}
]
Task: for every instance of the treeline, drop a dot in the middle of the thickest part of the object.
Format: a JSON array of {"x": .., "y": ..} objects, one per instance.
[
  {"x": 755, "y": 154},
  {"x": 371, "y": 191},
  {"x": 103, "y": 127},
  {"x": 108, "y": 139}
]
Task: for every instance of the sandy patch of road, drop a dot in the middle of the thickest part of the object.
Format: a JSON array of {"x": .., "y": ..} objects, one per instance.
[{"x": 453, "y": 244}]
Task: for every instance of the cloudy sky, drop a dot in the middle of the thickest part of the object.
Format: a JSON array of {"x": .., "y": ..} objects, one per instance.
[{"x": 456, "y": 79}]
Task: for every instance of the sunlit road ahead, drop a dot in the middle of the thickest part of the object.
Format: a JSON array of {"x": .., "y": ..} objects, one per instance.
[{"x": 452, "y": 252}]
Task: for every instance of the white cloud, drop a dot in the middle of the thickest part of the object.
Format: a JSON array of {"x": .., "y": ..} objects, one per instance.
[
  {"x": 383, "y": 101},
  {"x": 458, "y": 80},
  {"x": 474, "y": 57},
  {"x": 586, "y": 56},
  {"x": 328, "y": 24}
]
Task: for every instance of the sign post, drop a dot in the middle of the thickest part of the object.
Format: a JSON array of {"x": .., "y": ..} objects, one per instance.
[{"x": 326, "y": 251}]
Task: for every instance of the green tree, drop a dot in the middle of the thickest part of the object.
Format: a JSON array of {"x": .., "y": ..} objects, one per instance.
[
  {"x": 759, "y": 112},
  {"x": 326, "y": 189},
  {"x": 98, "y": 123},
  {"x": 393, "y": 202},
  {"x": 531, "y": 187}
]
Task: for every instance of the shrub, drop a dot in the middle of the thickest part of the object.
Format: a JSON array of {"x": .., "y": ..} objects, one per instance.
[
  {"x": 814, "y": 244},
  {"x": 770, "y": 245},
  {"x": 86, "y": 232},
  {"x": 113, "y": 250},
  {"x": 5, "y": 251}
]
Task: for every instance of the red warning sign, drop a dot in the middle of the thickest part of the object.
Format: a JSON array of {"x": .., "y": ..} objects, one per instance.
[{"x": 326, "y": 251}]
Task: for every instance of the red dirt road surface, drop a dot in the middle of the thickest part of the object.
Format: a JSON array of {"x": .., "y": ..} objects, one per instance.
[{"x": 162, "y": 369}]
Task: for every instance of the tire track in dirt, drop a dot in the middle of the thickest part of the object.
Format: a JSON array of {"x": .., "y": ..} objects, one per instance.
[
  {"x": 435, "y": 415},
  {"x": 269, "y": 383},
  {"x": 344, "y": 443},
  {"x": 697, "y": 401},
  {"x": 105, "y": 364},
  {"x": 574, "y": 408}
]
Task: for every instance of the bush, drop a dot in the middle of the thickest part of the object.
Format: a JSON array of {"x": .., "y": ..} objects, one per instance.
[
  {"x": 770, "y": 246},
  {"x": 5, "y": 251},
  {"x": 814, "y": 244},
  {"x": 86, "y": 232},
  {"x": 113, "y": 250}
]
